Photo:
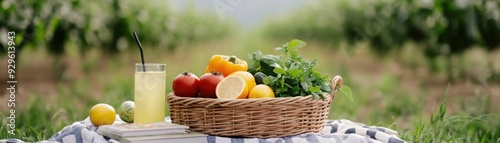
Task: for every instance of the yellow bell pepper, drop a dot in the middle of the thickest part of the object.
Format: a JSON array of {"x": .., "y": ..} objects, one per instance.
[{"x": 226, "y": 64}]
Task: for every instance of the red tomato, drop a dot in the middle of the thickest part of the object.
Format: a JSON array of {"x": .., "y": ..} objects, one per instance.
[
  {"x": 186, "y": 85},
  {"x": 208, "y": 83}
]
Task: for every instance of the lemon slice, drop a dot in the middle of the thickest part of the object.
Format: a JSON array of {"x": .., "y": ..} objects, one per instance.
[{"x": 232, "y": 87}]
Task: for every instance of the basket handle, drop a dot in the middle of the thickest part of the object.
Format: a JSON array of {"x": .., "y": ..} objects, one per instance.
[{"x": 336, "y": 83}]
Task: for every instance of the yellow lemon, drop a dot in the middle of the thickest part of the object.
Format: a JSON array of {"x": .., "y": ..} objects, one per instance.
[
  {"x": 102, "y": 114},
  {"x": 232, "y": 87},
  {"x": 261, "y": 91},
  {"x": 248, "y": 77}
]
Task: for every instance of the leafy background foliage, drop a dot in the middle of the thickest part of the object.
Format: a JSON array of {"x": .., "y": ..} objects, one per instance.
[
  {"x": 443, "y": 26},
  {"x": 440, "y": 28},
  {"x": 106, "y": 24}
]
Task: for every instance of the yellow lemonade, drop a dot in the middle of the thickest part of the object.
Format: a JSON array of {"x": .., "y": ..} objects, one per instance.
[{"x": 149, "y": 96}]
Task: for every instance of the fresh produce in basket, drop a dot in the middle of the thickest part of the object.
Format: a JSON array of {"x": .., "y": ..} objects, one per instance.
[
  {"x": 226, "y": 64},
  {"x": 102, "y": 114},
  {"x": 274, "y": 76},
  {"x": 186, "y": 85},
  {"x": 208, "y": 83},
  {"x": 291, "y": 74},
  {"x": 126, "y": 111}
]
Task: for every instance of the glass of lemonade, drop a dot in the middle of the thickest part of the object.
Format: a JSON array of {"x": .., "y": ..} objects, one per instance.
[{"x": 149, "y": 93}]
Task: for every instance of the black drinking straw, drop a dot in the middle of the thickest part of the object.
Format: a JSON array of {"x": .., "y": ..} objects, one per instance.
[{"x": 140, "y": 48}]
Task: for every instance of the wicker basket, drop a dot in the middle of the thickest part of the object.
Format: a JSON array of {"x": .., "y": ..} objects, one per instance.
[{"x": 261, "y": 118}]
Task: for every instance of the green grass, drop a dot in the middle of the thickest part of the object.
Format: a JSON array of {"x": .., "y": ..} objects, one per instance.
[
  {"x": 380, "y": 100},
  {"x": 458, "y": 128}
]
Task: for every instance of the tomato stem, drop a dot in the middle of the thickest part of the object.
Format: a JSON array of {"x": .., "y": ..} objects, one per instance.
[{"x": 215, "y": 73}]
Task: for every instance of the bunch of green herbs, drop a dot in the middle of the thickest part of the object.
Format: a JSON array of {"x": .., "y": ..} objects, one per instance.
[{"x": 291, "y": 74}]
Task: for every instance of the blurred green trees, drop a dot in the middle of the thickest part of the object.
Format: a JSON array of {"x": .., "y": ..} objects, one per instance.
[
  {"x": 441, "y": 28},
  {"x": 105, "y": 24}
]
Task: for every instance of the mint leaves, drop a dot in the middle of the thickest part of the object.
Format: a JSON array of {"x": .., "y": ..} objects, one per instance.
[{"x": 290, "y": 74}]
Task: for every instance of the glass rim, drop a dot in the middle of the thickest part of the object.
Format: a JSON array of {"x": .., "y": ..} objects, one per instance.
[{"x": 149, "y": 67}]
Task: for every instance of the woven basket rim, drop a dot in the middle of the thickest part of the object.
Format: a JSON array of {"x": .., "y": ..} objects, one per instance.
[
  {"x": 246, "y": 99},
  {"x": 284, "y": 101}
]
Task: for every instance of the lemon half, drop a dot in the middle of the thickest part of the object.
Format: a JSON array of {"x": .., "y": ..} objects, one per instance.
[{"x": 232, "y": 87}]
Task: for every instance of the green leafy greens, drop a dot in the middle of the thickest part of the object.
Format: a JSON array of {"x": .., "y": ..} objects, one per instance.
[{"x": 291, "y": 74}]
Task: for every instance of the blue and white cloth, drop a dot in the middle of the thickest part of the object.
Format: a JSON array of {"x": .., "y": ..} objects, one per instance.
[{"x": 335, "y": 131}]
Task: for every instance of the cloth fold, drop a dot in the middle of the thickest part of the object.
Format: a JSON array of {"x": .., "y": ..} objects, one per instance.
[{"x": 335, "y": 131}]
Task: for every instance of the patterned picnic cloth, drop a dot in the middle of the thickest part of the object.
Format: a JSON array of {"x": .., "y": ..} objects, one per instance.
[{"x": 335, "y": 131}]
